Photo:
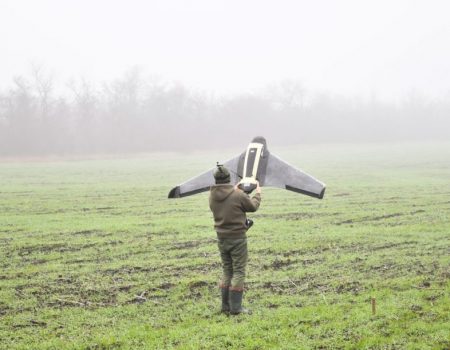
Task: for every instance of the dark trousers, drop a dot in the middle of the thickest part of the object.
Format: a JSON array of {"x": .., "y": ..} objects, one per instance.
[{"x": 233, "y": 252}]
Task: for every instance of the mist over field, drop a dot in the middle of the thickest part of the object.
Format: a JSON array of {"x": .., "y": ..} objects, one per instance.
[
  {"x": 137, "y": 114},
  {"x": 125, "y": 77}
]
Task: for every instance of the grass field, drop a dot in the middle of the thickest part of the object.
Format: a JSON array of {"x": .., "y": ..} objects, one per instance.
[{"x": 93, "y": 255}]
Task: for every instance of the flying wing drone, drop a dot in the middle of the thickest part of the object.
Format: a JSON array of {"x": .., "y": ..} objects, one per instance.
[{"x": 255, "y": 164}]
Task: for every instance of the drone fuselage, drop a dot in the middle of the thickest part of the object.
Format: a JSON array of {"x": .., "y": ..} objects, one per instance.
[{"x": 254, "y": 160}]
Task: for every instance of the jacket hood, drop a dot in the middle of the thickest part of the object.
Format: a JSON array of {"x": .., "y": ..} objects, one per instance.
[{"x": 221, "y": 192}]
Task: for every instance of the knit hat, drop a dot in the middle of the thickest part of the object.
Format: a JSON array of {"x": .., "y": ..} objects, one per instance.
[{"x": 221, "y": 174}]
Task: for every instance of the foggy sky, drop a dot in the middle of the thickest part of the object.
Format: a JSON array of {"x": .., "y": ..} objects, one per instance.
[{"x": 350, "y": 47}]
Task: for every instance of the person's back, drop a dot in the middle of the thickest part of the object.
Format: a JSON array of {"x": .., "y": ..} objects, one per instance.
[{"x": 229, "y": 205}]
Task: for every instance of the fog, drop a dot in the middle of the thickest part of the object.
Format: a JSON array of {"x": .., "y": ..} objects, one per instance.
[{"x": 121, "y": 77}]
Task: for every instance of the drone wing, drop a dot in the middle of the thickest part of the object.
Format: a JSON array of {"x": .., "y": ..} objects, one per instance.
[
  {"x": 283, "y": 175},
  {"x": 204, "y": 181}
]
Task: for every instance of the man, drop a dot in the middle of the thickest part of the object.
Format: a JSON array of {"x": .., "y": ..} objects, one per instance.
[{"x": 229, "y": 205}]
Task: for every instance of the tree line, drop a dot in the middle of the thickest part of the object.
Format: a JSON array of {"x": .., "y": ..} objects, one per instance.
[{"x": 138, "y": 114}]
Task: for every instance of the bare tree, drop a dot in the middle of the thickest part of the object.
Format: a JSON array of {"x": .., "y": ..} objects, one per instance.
[
  {"x": 86, "y": 130},
  {"x": 286, "y": 94},
  {"x": 123, "y": 101},
  {"x": 43, "y": 82},
  {"x": 19, "y": 120}
]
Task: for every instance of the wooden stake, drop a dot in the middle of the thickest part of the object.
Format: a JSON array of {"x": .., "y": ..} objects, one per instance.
[{"x": 374, "y": 306}]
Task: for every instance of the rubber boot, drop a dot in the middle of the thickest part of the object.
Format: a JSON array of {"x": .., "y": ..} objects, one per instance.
[
  {"x": 225, "y": 291},
  {"x": 236, "y": 303}
]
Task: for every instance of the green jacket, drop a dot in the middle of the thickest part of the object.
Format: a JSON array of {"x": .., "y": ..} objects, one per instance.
[{"x": 229, "y": 206}]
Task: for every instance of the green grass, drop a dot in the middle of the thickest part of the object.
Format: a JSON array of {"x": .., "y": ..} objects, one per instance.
[{"x": 93, "y": 255}]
